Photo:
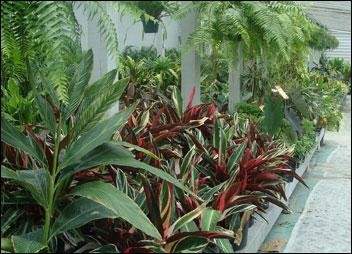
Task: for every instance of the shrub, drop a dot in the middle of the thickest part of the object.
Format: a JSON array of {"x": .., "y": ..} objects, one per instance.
[{"x": 305, "y": 143}]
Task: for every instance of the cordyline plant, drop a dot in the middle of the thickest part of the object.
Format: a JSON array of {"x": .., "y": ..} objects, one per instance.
[
  {"x": 241, "y": 172},
  {"x": 75, "y": 136},
  {"x": 163, "y": 126},
  {"x": 178, "y": 230},
  {"x": 234, "y": 168}
]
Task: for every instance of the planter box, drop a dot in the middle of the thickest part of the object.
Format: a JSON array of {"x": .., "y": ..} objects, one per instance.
[{"x": 260, "y": 229}]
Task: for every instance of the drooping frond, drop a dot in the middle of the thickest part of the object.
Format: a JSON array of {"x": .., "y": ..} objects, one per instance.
[{"x": 269, "y": 27}]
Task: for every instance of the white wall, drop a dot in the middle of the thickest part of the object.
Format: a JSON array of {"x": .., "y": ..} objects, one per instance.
[
  {"x": 344, "y": 48},
  {"x": 131, "y": 33},
  {"x": 336, "y": 16}
]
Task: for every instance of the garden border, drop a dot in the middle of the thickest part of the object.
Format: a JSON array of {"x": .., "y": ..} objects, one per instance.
[{"x": 260, "y": 229}]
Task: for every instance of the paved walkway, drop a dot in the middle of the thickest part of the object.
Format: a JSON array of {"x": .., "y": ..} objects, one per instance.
[{"x": 321, "y": 218}]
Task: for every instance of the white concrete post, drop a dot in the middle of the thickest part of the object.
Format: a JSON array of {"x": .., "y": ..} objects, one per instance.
[
  {"x": 91, "y": 38},
  {"x": 112, "y": 61},
  {"x": 190, "y": 60},
  {"x": 235, "y": 70},
  {"x": 160, "y": 47}
]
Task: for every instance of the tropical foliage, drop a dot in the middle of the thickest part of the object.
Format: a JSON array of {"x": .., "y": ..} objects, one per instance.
[
  {"x": 156, "y": 176},
  {"x": 149, "y": 73},
  {"x": 43, "y": 36}
]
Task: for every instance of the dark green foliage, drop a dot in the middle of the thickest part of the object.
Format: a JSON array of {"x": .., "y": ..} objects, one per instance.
[
  {"x": 149, "y": 73},
  {"x": 305, "y": 143},
  {"x": 287, "y": 132},
  {"x": 76, "y": 139},
  {"x": 321, "y": 39},
  {"x": 273, "y": 114},
  {"x": 139, "y": 54},
  {"x": 249, "y": 109},
  {"x": 154, "y": 177},
  {"x": 340, "y": 69}
]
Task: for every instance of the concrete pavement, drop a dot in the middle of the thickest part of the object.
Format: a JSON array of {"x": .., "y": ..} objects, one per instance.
[{"x": 321, "y": 218}]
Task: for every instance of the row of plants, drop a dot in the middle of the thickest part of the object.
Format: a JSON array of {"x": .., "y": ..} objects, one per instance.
[
  {"x": 318, "y": 104},
  {"x": 201, "y": 171},
  {"x": 202, "y": 176},
  {"x": 156, "y": 176},
  {"x": 149, "y": 73}
]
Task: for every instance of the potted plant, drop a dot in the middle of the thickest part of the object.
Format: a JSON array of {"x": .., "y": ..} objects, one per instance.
[{"x": 151, "y": 16}]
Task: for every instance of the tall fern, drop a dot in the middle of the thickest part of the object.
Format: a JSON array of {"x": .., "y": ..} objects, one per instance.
[
  {"x": 272, "y": 27},
  {"x": 41, "y": 34}
]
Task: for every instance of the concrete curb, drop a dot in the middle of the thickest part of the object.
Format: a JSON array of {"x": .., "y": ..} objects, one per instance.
[{"x": 260, "y": 229}]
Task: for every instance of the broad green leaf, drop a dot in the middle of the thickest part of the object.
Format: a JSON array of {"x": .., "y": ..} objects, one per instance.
[
  {"x": 98, "y": 135},
  {"x": 300, "y": 104},
  {"x": 110, "y": 153},
  {"x": 190, "y": 244},
  {"x": 144, "y": 120},
  {"x": 222, "y": 145},
  {"x": 28, "y": 243},
  {"x": 153, "y": 205},
  {"x": 177, "y": 100},
  {"x": 92, "y": 91},
  {"x": 173, "y": 242},
  {"x": 189, "y": 227},
  {"x": 273, "y": 115},
  {"x": 209, "y": 219},
  {"x": 230, "y": 132},
  {"x": 180, "y": 222},
  {"x": 137, "y": 148},
  {"x": 187, "y": 160},
  {"x": 110, "y": 248},
  {"x": 35, "y": 181},
  {"x": 46, "y": 113},
  {"x": 121, "y": 181},
  {"x": 119, "y": 203},
  {"x": 10, "y": 135},
  {"x": 140, "y": 200},
  {"x": 237, "y": 209},
  {"x": 235, "y": 156},
  {"x": 224, "y": 244},
  {"x": 9, "y": 218},
  {"x": 208, "y": 194},
  {"x": 97, "y": 103},
  {"x": 79, "y": 82},
  {"x": 216, "y": 134},
  {"x": 78, "y": 213}
]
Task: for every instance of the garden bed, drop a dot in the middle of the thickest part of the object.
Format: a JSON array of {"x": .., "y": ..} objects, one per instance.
[{"x": 260, "y": 229}]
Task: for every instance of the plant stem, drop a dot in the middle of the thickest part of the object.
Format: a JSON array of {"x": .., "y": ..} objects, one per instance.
[
  {"x": 46, "y": 225},
  {"x": 49, "y": 209},
  {"x": 56, "y": 151}
]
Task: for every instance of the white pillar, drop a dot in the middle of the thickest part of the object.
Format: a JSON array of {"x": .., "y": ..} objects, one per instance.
[
  {"x": 160, "y": 47},
  {"x": 235, "y": 70},
  {"x": 190, "y": 60},
  {"x": 112, "y": 61},
  {"x": 92, "y": 39}
]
